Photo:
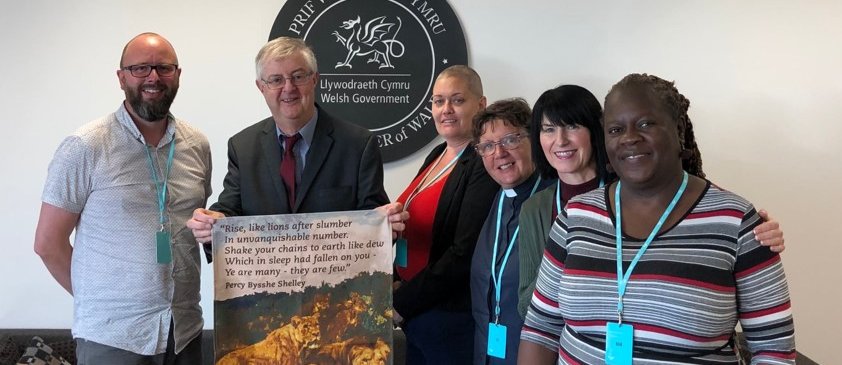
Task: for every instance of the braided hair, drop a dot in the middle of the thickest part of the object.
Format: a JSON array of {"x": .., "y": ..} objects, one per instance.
[{"x": 676, "y": 105}]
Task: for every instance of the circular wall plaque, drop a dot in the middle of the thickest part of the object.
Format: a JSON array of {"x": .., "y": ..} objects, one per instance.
[{"x": 377, "y": 62}]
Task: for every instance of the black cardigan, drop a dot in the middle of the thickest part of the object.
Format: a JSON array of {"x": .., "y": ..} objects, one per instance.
[{"x": 462, "y": 208}]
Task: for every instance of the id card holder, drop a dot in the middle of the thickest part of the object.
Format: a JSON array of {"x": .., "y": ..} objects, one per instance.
[
  {"x": 618, "y": 344},
  {"x": 162, "y": 239},
  {"x": 497, "y": 340},
  {"x": 400, "y": 252}
]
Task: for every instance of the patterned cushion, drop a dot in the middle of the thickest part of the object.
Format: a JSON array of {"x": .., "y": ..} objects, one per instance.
[
  {"x": 65, "y": 349},
  {"x": 9, "y": 352},
  {"x": 41, "y": 354}
]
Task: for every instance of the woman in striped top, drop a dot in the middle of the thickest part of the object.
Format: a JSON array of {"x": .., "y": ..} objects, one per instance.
[
  {"x": 701, "y": 273},
  {"x": 568, "y": 148}
]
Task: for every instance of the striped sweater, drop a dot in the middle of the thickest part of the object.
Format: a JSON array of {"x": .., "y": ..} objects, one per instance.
[{"x": 696, "y": 279}]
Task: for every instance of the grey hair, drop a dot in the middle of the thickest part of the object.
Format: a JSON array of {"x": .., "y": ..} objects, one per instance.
[{"x": 282, "y": 47}]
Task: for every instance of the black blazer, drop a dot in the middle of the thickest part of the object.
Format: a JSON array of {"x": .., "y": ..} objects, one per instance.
[
  {"x": 462, "y": 208},
  {"x": 344, "y": 171}
]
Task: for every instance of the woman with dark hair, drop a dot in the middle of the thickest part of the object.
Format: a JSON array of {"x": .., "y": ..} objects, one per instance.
[
  {"x": 568, "y": 145},
  {"x": 658, "y": 266}
]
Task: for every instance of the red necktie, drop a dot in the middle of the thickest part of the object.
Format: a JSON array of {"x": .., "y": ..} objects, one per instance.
[{"x": 288, "y": 167}]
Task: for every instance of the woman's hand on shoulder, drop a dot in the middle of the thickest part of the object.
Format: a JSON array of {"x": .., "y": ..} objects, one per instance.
[{"x": 769, "y": 233}]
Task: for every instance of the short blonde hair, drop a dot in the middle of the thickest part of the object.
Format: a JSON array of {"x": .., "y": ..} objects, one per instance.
[{"x": 465, "y": 73}]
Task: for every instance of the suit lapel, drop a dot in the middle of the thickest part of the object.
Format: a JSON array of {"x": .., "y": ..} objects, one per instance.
[
  {"x": 316, "y": 156},
  {"x": 272, "y": 154}
]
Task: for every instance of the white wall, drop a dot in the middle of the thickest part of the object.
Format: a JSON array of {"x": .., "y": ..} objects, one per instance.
[{"x": 763, "y": 77}]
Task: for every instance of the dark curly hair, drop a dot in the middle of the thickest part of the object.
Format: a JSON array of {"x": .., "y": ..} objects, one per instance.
[
  {"x": 676, "y": 105},
  {"x": 565, "y": 105}
]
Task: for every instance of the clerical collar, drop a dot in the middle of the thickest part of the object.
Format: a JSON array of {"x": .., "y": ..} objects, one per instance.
[{"x": 523, "y": 188}]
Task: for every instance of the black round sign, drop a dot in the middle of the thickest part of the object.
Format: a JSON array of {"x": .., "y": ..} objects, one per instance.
[{"x": 377, "y": 62}]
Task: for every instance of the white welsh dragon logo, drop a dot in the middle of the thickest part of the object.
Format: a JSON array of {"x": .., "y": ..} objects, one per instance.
[{"x": 370, "y": 39}]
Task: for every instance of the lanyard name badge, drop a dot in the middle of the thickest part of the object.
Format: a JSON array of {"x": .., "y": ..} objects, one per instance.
[
  {"x": 619, "y": 337},
  {"x": 496, "y": 331},
  {"x": 162, "y": 236},
  {"x": 401, "y": 245}
]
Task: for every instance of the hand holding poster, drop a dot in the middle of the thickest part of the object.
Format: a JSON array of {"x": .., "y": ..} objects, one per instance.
[{"x": 303, "y": 289}]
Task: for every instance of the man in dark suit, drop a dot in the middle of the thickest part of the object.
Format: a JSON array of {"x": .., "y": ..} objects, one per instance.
[{"x": 300, "y": 160}]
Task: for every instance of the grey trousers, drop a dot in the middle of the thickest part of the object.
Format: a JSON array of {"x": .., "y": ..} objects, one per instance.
[{"x": 92, "y": 353}]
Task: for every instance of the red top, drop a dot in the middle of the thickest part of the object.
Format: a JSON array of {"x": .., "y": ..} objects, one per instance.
[{"x": 419, "y": 229}]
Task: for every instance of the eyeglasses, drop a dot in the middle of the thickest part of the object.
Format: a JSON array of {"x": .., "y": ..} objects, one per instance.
[
  {"x": 164, "y": 69},
  {"x": 278, "y": 81},
  {"x": 454, "y": 100},
  {"x": 508, "y": 142}
]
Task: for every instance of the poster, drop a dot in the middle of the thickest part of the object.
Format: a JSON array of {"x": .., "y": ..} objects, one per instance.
[{"x": 303, "y": 289}]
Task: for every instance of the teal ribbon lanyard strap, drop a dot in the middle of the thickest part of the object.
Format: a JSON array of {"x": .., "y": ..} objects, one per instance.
[
  {"x": 401, "y": 245},
  {"x": 558, "y": 206},
  {"x": 496, "y": 346},
  {"x": 619, "y": 337},
  {"x": 163, "y": 239}
]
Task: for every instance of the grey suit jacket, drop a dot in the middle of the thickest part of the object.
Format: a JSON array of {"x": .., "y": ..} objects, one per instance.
[{"x": 344, "y": 171}]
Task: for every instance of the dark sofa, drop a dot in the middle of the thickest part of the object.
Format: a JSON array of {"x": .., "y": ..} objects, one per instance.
[{"x": 13, "y": 342}]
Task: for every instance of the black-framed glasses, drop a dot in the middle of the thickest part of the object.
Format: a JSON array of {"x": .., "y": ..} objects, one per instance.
[
  {"x": 508, "y": 142},
  {"x": 278, "y": 81},
  {"x": 163, "y": 69}
]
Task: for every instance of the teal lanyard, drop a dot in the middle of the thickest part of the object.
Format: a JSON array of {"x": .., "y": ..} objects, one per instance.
[
  {"x": 161, "y": 185},
  {"x": 558, "y": 195},
  {"x": 419, "y": 188},
  {"x": 497, "y": 278},
  {"x": 622, "y": 280}
]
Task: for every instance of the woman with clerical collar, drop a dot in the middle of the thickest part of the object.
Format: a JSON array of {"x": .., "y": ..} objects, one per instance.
[
  {"x": 501, "y": 138},
  {"x": 660, "y": 265}
]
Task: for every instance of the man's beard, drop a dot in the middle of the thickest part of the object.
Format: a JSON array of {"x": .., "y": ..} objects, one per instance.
[{"x": 151, "y": 110}]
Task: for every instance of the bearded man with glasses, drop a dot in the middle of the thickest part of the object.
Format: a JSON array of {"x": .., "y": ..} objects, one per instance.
[{"x": 126, "y": 183}]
